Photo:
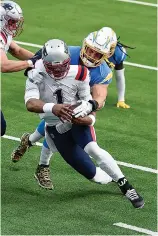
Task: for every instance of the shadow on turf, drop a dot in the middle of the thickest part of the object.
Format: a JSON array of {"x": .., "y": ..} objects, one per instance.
[{"x": 56, "y": 196}]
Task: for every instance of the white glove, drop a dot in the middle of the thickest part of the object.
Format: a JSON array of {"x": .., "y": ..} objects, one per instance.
[
  {"x": 35, "y": 76},
  {"x": 83, "y": 110}
]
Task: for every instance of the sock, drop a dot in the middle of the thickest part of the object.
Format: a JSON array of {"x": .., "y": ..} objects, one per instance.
[
  {"x": 124, "y": 185},
  {"x": 101, "y": 177},
  {"x": 44, "y": 165},
  {"x": 104, "y": 160},
  {"x": 34, "y": 137},
  {"x": 45, "y": 156}
]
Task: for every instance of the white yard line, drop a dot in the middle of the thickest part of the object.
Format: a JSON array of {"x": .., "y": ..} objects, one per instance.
[
  {"x": 140, "y": 3},
  {"x": 141, "y": 230},
  {"x": 137, "y": 167},
  {"x": 126, "y": 63},
  {"x": 119, "y": 162},
  {"x": 18, "y": 139}
]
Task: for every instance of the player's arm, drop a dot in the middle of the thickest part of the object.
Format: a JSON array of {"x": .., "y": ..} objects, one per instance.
[
  {"x": 34, "y": 104},
  {"x": 12, "y": 65},
  {"x": 19, "y": 52},
  {"x": 87, "y": 120},
  {"x": 99, "y": 93}
]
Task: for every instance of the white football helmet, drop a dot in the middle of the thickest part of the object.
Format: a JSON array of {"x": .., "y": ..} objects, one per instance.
[
  {"x": 56, "y": 58},
  {"x": 12, "y": 20},
  {"x": 98, "y": 46}
]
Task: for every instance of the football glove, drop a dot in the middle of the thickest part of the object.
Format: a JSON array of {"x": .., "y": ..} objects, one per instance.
[
  {"x": 36, "y": 57},
  {"x": 122, "y": 104},
  {"x": 35, "y": 76},
  {"x": 85, "y": 108}
]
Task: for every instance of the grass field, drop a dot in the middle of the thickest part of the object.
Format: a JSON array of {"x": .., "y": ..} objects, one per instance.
[{"x": 76, "y": 206}]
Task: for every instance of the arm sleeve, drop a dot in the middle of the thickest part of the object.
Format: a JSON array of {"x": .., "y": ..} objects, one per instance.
[
  {"x": 120, "y": 82},
  {"x": 31, "y": 91},
  {"x": 84, "y": 92}
]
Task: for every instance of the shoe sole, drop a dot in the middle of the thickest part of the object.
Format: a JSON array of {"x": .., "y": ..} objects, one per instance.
[
  {"x": 140, "y": 206},
  {"x": 41, "y": 184}
]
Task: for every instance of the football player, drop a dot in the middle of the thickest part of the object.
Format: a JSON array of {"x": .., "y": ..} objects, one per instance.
[
  {"x": 11, "y": 26},
  {"x": 62, "y": 83}
]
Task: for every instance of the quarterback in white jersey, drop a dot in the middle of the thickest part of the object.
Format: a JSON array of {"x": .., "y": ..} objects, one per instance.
[{"x": 62, "y": 85}]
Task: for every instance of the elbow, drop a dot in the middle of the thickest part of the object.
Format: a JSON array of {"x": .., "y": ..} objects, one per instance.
[
  {"x": 4, "y": 68},
  {"x": 30, "y": 106}
]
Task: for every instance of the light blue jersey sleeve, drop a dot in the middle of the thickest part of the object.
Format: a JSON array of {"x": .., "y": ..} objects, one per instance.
[
  {"x": 118, "y": 56},
  {"x": 74, "y": 54},
  {"x": 100, "y": 75}
]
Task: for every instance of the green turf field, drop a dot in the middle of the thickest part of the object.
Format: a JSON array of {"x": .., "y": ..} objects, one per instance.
[{"x": 76, "y": 206}]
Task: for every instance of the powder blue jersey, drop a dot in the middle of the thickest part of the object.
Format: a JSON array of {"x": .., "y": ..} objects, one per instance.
[
  {"x": 98, "y": 75},
  {"x": 118, "y": 56}
]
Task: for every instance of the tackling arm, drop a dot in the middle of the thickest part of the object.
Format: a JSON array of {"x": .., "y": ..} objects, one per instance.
[
  {"x": 99, "y": 93},
  {"x": 19, "y": 52},
  {"x": 12, "y": 65}
]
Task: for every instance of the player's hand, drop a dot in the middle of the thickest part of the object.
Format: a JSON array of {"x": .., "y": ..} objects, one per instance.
[
  {"x": 37, "y": 56},
  {"x": 35, "y": 76},
  {"x": 82, "y": 120},
  {"x": 122, "y": 104},
  {"x": 63, "y": 111},
  {"x": 83, "y": 109}
]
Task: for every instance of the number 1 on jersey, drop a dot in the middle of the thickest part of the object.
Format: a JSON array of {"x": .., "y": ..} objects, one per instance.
[{"x": 59, "y": 98}]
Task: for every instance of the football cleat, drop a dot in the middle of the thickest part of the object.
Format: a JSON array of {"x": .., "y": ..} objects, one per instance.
[
  {"x": 42, "y": 175},
  {"x": 18, "y": 153},
  {"x": 136, "y": 200}
]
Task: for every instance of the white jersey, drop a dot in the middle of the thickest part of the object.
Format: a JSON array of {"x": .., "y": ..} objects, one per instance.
[
  {"x": 5, "y": 41},
  {"x": 74, "y": 87}
]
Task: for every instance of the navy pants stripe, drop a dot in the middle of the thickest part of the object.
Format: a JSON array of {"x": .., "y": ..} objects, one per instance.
[
  {"x": 72, "y": 153},
  {"x": 3, "y": 124}
]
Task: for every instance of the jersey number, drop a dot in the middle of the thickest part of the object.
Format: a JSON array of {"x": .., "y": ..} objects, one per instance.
[{"x": 58, "y": 94}]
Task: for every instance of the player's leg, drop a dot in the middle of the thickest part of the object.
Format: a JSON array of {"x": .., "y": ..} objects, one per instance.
[
  {"x": 42, "y": 173},
  {"x": 74, "y": 155},
  {"x": 86, "y": 139},
  {"x": 3, "y": 124},
  {"x": 27, "y": 140}
]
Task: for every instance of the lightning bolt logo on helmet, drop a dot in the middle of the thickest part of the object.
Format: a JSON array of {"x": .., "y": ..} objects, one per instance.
[{"x": 98, "y": 46}]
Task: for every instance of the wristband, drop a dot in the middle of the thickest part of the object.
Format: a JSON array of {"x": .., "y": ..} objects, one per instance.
[
  {"x": 95, "y": 104},
  {"x": 93, "y": 119},
  {"x": 48, "y": 107},
  {"x": 30, "y": 63}
]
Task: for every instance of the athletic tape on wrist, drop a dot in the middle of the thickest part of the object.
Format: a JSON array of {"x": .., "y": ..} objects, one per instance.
[
  {"x": 48, "y": 107},
  {"x": 93, "y": 119}
]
